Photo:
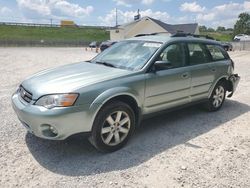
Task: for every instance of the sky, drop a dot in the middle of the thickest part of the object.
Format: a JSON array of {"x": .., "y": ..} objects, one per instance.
[{"x": 211, "y": 13}]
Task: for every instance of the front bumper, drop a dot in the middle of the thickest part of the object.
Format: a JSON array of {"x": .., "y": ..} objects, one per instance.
[
  {"x": 54, "y": 124},
  {"x": 234, "y": 80}
]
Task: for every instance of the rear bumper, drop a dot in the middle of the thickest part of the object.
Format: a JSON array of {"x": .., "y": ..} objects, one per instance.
[
  {"x": 64, "y": 121},
  {"x": 234, "y": 81}
]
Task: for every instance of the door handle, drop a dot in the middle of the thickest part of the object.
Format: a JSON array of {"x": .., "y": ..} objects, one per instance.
[{"x": 185, "y": 75}]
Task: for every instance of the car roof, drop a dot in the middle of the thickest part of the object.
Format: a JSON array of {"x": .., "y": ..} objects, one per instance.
[
  {"x": 153, "y": 38},
  {"x": 168, "y": 39}
]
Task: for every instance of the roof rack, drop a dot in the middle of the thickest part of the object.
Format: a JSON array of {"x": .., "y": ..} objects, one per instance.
[
  {"x": 192, "y": 35},
  {"x": 150, "y": 34},
  {"x": 181, "y": 34},
  {"x": 141, "y": 35}
]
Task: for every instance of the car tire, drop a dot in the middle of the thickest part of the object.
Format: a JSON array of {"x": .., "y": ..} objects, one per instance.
[
  {"x": 217, "y": 97},
  {"x": 113, "y": 126}
]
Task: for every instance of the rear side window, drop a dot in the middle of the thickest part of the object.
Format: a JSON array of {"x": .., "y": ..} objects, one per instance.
[
  {"x": 197, "y": 54},
  {"x": 216, "y": 53}
]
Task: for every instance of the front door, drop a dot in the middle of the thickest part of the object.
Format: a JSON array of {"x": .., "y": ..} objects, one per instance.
[{"x": 168, "y": 86}]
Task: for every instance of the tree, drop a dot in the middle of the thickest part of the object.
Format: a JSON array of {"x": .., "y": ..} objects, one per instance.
[
  {"x": 243, "y": 24},
  {"x": 203, "y": 28},
  {"x": 230, "y": 29},
  {"x": 210, "y": 29},
  {"x": 220, "y": 29}
]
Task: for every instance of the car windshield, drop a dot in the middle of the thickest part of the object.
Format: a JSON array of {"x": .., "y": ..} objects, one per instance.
[{"x": 131, "y": 55}]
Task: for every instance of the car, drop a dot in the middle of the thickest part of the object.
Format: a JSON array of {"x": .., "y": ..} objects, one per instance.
[
  {"x": 93, "y": 44},
  {"x": 107, "y": 97},
  {"x": 227, "y": 46},
  {"x": 106, "y": 44},
  {"x": 242, "y": 37}
]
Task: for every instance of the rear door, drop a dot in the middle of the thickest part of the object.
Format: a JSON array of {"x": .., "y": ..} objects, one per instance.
[{"x": 202, "y": 74}]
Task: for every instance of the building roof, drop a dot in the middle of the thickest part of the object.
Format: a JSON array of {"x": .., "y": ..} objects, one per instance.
[{"x": 186, "y": 28}]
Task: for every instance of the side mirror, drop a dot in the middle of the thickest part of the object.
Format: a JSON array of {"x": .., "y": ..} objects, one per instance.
[{"x": 162, "y": 65}]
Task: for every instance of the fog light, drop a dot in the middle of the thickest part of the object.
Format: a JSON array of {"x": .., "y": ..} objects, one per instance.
[
  {"x": 48, "y": 130},
  {"x": 53, "y": 130}
]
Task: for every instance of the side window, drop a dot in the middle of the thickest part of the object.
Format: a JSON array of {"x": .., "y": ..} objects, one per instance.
[
  {"x": 197, "y": 54},
  {"x": 173, "y": 54},
  {"x": 215, "y": 52}
]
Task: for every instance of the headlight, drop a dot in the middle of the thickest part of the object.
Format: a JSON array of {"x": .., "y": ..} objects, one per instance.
[{"x": 57, "y": 100}]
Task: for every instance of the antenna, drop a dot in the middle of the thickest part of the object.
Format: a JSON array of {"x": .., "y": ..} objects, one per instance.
[{"x": 138, "y": 16}]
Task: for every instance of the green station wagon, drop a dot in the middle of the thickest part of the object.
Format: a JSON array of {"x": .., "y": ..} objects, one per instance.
[{"x": 109, "y": 95}]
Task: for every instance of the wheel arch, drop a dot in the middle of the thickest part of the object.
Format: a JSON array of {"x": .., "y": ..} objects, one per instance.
[
  {"x": 122, "y": 94},
  {"x": 224, "y": 79}
]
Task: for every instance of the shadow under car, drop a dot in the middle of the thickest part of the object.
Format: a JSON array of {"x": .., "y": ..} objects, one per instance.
[{"x": 76, "y": 156}]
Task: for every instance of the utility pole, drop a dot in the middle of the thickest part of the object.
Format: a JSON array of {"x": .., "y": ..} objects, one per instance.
[
  {"x": 51, "y": 22},
  {"x": 116, "y": 18}
]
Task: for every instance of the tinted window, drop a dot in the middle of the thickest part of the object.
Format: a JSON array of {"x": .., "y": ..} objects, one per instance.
[
  {"x": 197, "y": 54},
  {"x": 215, "y": 52},
  {"x": 173, "y": 54}
]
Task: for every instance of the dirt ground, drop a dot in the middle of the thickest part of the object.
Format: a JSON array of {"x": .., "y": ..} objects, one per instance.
[{"x": 185, "y": 148}]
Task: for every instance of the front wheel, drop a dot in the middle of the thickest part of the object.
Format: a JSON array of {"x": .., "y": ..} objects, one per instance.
[
  {"x": 217, "y": 98},
  {"x": 113, "y": 126}
]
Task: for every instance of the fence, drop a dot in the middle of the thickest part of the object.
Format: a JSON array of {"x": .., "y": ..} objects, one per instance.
[
  {"x": 51, "y": 25},
  {"x": 241, "y": 45}
]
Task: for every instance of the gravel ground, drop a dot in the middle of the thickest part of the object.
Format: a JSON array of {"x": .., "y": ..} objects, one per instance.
[{"x": 185, "y": 148}]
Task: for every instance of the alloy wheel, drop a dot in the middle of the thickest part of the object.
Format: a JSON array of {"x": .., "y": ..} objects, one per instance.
[
  {"x": 115, "y": 128},
  {"x": 218, "y": 96}
]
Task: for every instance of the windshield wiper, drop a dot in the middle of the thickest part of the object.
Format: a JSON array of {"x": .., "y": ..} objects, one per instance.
[{"x": 105, "y": 63}]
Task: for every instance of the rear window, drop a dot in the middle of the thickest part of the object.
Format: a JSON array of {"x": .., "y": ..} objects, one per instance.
[{"x": 216, "y": 53}]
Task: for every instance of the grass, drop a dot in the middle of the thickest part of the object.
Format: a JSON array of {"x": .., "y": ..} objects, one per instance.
[
  {"x": 219, "y": 36},
  {"x": 88, "y": 34},
  {"x": 49, "y": 33}
]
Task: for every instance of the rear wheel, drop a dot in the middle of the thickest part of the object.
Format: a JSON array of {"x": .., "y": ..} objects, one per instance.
[
  {"x": 113, "y": 126},
  {"x": 217, "y": 98}
]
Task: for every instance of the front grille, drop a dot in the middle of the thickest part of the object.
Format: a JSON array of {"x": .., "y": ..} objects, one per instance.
[{"x": 25, "y": 95}]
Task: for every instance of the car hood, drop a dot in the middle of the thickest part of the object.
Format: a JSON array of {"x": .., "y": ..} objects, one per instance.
[{"x": 70, "y": 78}]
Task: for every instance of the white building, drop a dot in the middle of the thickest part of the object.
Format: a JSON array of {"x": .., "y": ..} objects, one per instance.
[{"x": 147, "y": 25}]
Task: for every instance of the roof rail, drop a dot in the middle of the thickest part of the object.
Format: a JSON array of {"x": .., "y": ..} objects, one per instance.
[
  {"x": 149, "y": 34},
  {"x": 141, "y": 35},
  {"x": 192, "y": 35}
]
